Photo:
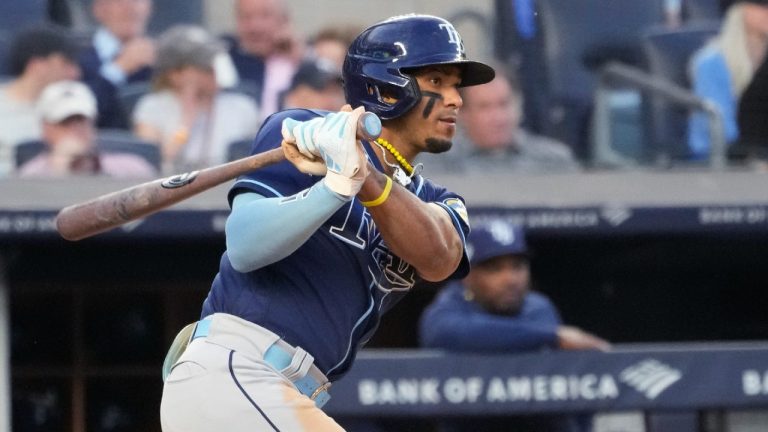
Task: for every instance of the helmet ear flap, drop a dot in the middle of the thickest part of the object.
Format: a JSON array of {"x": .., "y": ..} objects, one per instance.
[{"x": 387, "y": 93}]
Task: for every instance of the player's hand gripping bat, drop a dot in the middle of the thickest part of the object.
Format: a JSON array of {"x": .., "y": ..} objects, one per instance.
[{"x": 108, "y": 211}]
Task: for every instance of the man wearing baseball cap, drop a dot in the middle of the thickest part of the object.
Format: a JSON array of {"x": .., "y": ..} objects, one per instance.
[
  {"x": 68, "y": 112},
  {"x": 494, "y": 310}
]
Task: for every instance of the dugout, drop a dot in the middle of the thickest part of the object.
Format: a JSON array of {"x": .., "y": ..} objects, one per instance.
[{"x": 639, "y": 257}]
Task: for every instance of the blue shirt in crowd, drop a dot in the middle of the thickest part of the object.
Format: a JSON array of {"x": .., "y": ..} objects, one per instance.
[{"x": 454, "y": 323}]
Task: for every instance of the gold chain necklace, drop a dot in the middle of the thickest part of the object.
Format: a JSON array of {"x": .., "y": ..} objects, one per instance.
[{"x": 398, "y": 157}]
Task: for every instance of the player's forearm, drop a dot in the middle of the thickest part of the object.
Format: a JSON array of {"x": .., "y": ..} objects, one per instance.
[
  {"x": 419, "y": 233},
  {"x": 262, "y": 230}
]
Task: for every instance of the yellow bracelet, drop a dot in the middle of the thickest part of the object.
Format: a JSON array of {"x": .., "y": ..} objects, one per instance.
[{"x": 383, "y": 197}]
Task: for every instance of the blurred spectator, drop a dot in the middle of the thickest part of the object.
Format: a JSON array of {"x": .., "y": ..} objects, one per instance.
[
  {"x": 722, "y": 69},
  {"x": 333, "y": 42},
  {"x": 68, "y": 112},
  {"x": 494, "y": 310},
  {"x": 265, "y": 50},
  {"x": 752, "y": 121},
  {"x": 39, "y": 56},
  {"x": 316, "y": 85},
  {"x": 120, "y": 54},
  {"x": 186, "y": 113},
  {"x": 490, "y": 137}
]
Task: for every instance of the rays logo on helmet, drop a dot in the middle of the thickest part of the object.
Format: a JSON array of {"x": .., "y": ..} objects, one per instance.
[
  {"x": 453, "y": 37},
  {"x": 458, "y": 206}
]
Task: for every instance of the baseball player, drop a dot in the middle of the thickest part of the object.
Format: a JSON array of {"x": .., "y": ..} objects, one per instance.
[{"x": 320, "y": 246}]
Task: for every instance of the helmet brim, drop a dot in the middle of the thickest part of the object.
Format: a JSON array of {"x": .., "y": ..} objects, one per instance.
[
  {"x": 475, "y": 73},
  {"x": 472, "y": 72}
]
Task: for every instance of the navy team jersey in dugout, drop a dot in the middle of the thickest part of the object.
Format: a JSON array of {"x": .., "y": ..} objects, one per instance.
[{"x": 327, "y": 296}]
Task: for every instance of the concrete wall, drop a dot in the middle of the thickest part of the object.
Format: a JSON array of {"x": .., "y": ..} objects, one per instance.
[{"x": 310, "y": 15}]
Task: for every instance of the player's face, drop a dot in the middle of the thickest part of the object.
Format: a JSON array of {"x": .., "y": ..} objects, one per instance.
[
  {"x": 500, "y": 284},
  {"x": 431, "y": 124}
]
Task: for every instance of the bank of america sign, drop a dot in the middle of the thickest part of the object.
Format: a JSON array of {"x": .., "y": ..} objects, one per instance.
[{"x": 650, "y": 377}]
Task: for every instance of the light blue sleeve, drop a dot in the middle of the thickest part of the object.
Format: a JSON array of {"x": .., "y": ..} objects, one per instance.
[
  {"x": 261, "y": 231},
  {"x": 711, "y": 80}
]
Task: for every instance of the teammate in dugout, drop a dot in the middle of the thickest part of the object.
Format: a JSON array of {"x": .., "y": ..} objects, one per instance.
[{"x": 320, "y": 246}]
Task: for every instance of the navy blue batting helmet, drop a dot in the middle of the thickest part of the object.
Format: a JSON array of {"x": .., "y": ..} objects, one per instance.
[{"x": 376, "y": 69}]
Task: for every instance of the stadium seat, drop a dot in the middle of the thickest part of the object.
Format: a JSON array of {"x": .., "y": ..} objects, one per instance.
[
  {"x": 16, "y": 15},
  {"x": 27, "y": 150},
  {"x": 518, "y": 43},
  {"x": 121, "y": 141},
  {"x": 583, "y": 34},
  {"x": 579, "y": 37},
  {"x": 702, "y": 10},
  {"x": 667, "y": 52},
  {"x": 109, "y": 140}
]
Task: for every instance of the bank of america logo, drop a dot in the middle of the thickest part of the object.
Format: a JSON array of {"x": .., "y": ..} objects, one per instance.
[
  {"x": 616, "y": 215},
  {"x": 650, "y": 377}
]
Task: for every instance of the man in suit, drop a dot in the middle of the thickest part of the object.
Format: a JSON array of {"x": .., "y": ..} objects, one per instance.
[
  {"x": 264, "y": 50},
  {"x": 120, "y": 54}
]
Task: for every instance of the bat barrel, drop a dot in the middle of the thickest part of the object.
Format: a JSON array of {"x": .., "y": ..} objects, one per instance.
[
  {"x": 105, "y": 212},
  {"x": 100, "y": 214}
]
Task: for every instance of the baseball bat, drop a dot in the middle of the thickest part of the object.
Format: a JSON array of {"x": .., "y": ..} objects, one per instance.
[{"x": 108, "y": 211}]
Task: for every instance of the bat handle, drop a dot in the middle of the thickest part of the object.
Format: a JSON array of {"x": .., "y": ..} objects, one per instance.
[{"x": 369, "y": 126}]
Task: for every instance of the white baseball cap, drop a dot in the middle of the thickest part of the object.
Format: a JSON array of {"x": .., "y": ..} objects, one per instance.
[{"x": 64, "y": 99}]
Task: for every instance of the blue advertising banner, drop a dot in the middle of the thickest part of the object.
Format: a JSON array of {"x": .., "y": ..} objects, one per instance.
[
  {"x": 598, "y": 220},
  {"x": 419, "y": 383}
]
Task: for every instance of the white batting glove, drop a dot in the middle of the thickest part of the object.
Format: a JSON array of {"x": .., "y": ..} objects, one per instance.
[
  {"x": 302, "y": 134},
  {"x": 349, "y": 186},
  {"x": 333, "y": 138},
  {"x": 344, "y": 156}
]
